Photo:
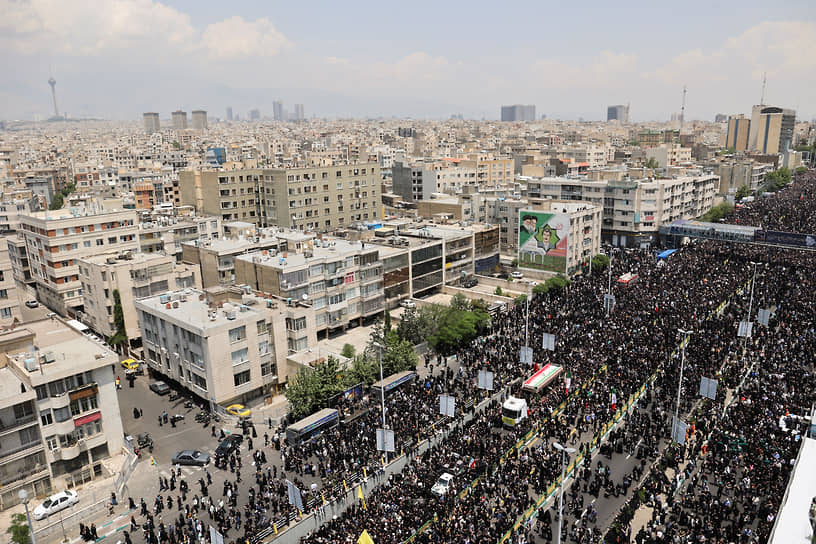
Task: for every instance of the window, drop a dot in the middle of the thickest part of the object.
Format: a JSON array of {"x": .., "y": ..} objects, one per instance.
[
  {"x": 42, "y": 392},
  {"x": 62, "y": 414},
  {"x": 240, "y": 356},
  {"x": 52, "y": 443},
  {"x": 262, "y": 327},
  {"x": 241, "y": 378},
  {"x": 263, "y": 347},
  {"x": 267, "y": 369},
  {"x": 29, "y": 435},
  {"x": 45, "y": 417},
  {"x": 199, "y": 381},
  {"x": 3, "y": 293},
  {"x": 5, "y": 313},
  {"x": 23, "y": 410},
  {"x": 237, "y": 334}
]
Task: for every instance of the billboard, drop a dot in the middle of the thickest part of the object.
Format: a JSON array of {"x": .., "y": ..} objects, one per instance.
[{"x": 542, "y": 241}]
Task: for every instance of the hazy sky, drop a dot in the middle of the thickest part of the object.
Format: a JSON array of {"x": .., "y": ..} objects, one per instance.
[{"x": 119, "y": 58}]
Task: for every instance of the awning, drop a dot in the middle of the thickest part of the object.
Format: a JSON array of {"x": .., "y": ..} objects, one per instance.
[
  {"x": 665, "y": 254},
  {"x": 87, "y": 419}
]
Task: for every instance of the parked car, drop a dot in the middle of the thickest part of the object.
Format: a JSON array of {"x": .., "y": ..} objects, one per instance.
[
  {"x": 160, "y": 388},
  {"x": 442, "y": 485},
  {"x": 191, "y": 457},
  {"x": 143, "y": 440},
  {"x": 238, "y": 410},
  {"x": 229, "y": 445},
  {"x": 55, "y": 503},
  {"x": 516, "y": 275},
  {"x": 470, "y": 282},
  {"x": 32, "y": 303},
  {"x": 408, "y": 303}
]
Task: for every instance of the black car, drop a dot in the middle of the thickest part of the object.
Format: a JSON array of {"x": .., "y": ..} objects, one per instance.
[
  {"x": 228, "y": 445},
  {"x": 191, "y": 457},
  {"x": 470, "y": 282}
]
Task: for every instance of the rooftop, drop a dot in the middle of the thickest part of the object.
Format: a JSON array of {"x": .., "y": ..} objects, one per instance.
[
  {"x": 321, "y": 250},
  {"x": 191, "y": 307},
  {"x": 135, "y": 258}
]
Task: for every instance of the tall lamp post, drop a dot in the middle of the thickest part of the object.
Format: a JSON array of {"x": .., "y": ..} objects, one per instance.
[
  {"x": 527, "y": 319},
  {"x": 564, "y": 451},
  {"x": 23, "y": 494},
  {"x": 676, "y": 421},
  {"x": 382, "y": 391},
  {"x": 609, "y": 285}
]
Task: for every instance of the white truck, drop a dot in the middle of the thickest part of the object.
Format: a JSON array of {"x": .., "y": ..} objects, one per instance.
[{"x": 514, "y": 410}]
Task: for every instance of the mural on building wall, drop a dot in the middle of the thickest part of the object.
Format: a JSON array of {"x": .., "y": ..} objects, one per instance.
[{"x": 542, "y": 240}]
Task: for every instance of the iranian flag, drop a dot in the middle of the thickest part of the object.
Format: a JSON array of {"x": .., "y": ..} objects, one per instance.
[{"x": 568, "y": 382}]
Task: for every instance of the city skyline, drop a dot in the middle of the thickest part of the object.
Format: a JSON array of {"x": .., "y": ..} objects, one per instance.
[{"x": 194, "y": 56}]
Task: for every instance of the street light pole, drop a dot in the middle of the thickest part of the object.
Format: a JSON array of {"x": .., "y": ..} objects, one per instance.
[
  {"x": 23, "y": 494},
  {"x": 609, "y": 285},
  {"x": 382, "y": 398},
  {"x": 527, "y": 320},
  {"x": 685, "y": 334},
  {"x": 751, "y": 302},
  {"x": 564, "y": 451}
]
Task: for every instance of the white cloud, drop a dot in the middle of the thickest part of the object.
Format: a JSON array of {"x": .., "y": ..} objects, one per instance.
[{"x": 236, "y": 38}]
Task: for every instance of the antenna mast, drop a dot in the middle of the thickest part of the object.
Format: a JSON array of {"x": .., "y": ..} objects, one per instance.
[
  {"x": 683, "y": 109},
  {"x": 762, "y": 98}
]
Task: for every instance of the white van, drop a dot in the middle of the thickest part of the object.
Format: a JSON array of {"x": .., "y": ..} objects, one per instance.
[{"x": 514, "y": 410}]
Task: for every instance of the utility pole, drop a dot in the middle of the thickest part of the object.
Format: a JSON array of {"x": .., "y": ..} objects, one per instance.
[
  {"x": 676, "y": 421},
  {"x": 564, "y": 451}
]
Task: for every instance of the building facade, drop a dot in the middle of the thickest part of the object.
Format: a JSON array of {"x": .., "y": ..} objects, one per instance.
[
  {"x": 179, "y": 119},
  {"x": 56, "y": 240},
  {"x": 199, "y": 118},
  {"x": 151, "y": 122},
  {"x": 739, "y": 129},
  {"x": 618, "y": 113},
  {"x": 518, "y": 112}
]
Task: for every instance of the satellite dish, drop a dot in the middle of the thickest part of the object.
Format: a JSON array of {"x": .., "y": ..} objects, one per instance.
[{"x": 304, "y": 296}]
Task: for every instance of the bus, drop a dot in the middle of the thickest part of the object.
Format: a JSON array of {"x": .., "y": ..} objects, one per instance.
[
  {"x": 392, "y": 383},
  {"x": 542, "y": 378},
  {"x": 311, "y": 426}
]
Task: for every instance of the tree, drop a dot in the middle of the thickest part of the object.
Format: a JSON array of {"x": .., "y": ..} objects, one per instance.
[
  {"x": 457, "y": 327},
  {"x": 57, "y": 202},
  {"x": 521, "y": 299},
  {"x": 120, "y": 336},
  {"x": 363, "y": 369},
  {"x": 311, "y": 388},
  {"x": 19, "y": 529},
  {"x": 800, "y": 170},
  {"x": 514, "y": 263},
  {"x": 498, "y": 292},
  {"x": 348, "y": 351},
  {"x": 717, "y": 212},
  {"x": 743, "y": 191},
  {"x": 599, "y": 263},
  {"x": 652, "y": 163}
]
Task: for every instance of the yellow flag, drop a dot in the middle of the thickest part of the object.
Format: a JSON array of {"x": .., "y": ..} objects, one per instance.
[
  {"x": 362, "y": 497},
  {"x": 365, "y": 539},
  {"x": 365, "y": 474},
  {"x": 345, "y": 486},
  {"x": 275, "y": 527}
]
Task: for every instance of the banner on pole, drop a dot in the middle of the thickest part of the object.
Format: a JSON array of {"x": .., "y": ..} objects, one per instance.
[
  {"x": 385, "y": 440},
  {"x": 763, "y": 317},
  {"x": 609, "y": 302},
  {"x": 447, "y": 405},
  {"x": 526, "y": 355},
  {"x": 745, "y": 329},
  {"x": 679, "y": 431},
  {"x": 485, "y": 380},
  {"x": 548, "y": 342},
  {"x": 708, "y": 388},
  {"x": 295, "y": 498}
]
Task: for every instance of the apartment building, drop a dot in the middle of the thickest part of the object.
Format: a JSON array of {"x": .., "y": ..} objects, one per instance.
[
  {"x": 413, "y": 182},
  {"x": 13, "y": 204},
  {"x": 133, "y": 276},
  {"x": 9, "y": 302},
  {"x": 58, "y": 408},
  {"x": 771, "y": 129},
  {"x": 315, "y": 198},
  {"x": 669, "y": 154},
  {"x": 633, "y": 210},
  {"x": 736, "y": 174},
  {"x": 738, "y": 132},
  {"x": 216, "y": 258},
  {"x": 56, "y": 240},
  {"x": 342, "y": 280},
  {"x": 223, "y": 345},
  {"x": 167, "y": 232}
]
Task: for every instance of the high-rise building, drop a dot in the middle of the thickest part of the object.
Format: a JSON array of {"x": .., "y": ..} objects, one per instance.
[
  {"x": 738, "y": 131},
  {"x": 277, "y": 111},
  {"x": 771, "y": 129},
  {"x": 518, "y": 112},
  {"x": 229, "y": 113},
  {"x": 254, "y": 115},
  {"x": 199, "y": 120},
  {"x": 299, "y": 112},
  {"x": 179, "y": 120},
  {"x": 619, "y": 112},
  {"x": 721, "y": 118},
  {"x": 151, "y": 122}
]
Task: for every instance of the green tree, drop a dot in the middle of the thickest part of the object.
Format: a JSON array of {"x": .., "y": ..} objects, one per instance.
[
  {"x": 498, "y": 292},
  {"x": 521, "y": 299},
  {"x": 458, "y": 327},
  {"x": 599, "y": 263},
  {"x": 777, "y": 179},
  {"x": 514, "y": 263},
  {"x": 57, "y": 202},
  {"x": 743, "y": 191},
  {"x": 651, "y": 163},
  {"x": 363, "y": 369},
  {"x": 311, "y": 388},
  {"x": 120, "y": 336},
  {"x": 460, "y": 303},
  {"x": 348, "y": 351},
  {"x": 19, "y": 529},
  {"x": 387, "y": 320},
  {"x": 717, "y": 212},
  {"x": 800, "y": 170}
]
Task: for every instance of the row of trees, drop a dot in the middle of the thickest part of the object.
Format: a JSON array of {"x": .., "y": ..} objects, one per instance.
[
  {"x": 717, "y": 212},
  {"x": 58, "y": 200},
  {"x": 777, "y": 179}
]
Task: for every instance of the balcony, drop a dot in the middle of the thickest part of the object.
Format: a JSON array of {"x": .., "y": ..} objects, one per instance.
[
  {"x": 24, "y": 475},
  {"x": 21, "y": 451},
  {"x": 6, "y": 428}
]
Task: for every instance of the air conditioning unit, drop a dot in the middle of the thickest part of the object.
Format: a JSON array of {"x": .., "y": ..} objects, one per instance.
[{"x": 175, "y": 304}]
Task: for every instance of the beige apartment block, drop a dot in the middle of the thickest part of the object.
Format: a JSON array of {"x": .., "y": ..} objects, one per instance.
[
  {"x": 56, "y": 240},
  {"x": 134, "y": 276},
  {"x": 58, "y": 408},
  {"x": 9, "y": 300},
  {"x": 316, "y": 198},
  {"x": 224, "y": 345},
  {"x": 343, "y": 281}
]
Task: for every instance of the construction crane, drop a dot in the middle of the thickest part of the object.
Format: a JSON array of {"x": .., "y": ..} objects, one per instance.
[{"x": 682, "y": 110}]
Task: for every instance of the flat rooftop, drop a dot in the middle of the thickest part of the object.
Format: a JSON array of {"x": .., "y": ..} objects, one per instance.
[
  {"x": 196, "y": 311},
  {"x": 137, "y": 258},
  {"x": 9, "y": 384},
  {"x": 321, "y": 252}
]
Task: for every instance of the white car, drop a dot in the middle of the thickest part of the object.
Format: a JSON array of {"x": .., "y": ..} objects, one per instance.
[
  {"x": 55, "y": 503},
  {"x": 408, "y": 303},
  {"x": 442, "y": 485},
  {"x": 516, "y": 275}
]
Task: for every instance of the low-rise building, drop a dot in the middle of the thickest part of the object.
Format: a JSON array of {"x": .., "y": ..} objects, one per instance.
[
  {"x": 223, "y": 345},
  {"x": 9, "y": 302},
  {"x": 60, "y": 411},
  {"x": 132, "y": 276}
]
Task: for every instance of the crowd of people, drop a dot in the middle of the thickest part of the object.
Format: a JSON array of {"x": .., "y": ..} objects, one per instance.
[{"x": 735, "y": 463}]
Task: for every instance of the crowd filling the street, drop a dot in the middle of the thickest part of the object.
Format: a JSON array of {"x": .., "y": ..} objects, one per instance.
[{"x": 629, "y": 479}]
